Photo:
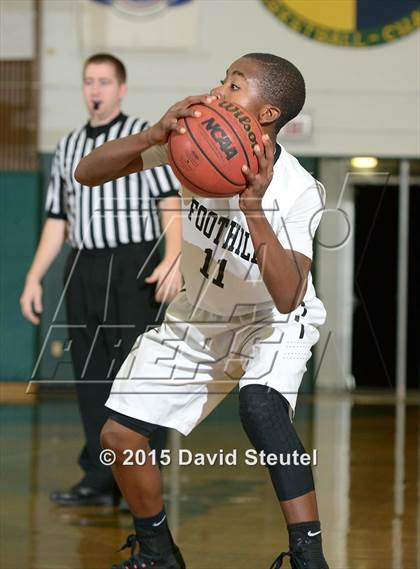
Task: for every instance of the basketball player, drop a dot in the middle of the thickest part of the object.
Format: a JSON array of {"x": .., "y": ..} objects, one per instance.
[{"x": 248, "y": 300}]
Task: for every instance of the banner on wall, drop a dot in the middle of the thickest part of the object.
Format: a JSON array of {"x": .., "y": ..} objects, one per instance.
[
  {"x": 141, "y": 7},
  {"x": 114, "y": 25},
  {"x": 348, "y": 23}
]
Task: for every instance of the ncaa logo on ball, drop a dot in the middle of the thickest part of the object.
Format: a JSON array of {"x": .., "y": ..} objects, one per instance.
[
  {"x": 220, "y": 136},
  {"x": 141, "y": 7},
  {"x": 348, "y": 23}
]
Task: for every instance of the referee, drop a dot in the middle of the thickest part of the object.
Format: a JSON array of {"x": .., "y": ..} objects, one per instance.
[{"x": 114, "y": 277}]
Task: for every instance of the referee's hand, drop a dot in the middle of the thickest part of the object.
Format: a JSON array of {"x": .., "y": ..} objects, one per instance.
[
  {"x": 31, "y": 300},
  {"x": 167, "y": 279},
  {"x": 159, "y": 133}
]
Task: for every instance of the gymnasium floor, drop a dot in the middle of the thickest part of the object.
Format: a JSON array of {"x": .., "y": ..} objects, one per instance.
[{"x": 223, "y": 517}]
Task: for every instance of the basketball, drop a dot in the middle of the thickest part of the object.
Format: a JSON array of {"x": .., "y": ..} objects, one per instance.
[{"x": 208, "y": 158}]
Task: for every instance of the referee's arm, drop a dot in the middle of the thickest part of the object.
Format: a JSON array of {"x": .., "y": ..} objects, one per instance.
[
  {"x": 52, "y": 240},
  {"x": 167, "y": 275},
  {"x": 166, "y": 188}
]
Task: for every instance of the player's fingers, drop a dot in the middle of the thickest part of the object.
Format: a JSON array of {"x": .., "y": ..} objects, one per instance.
[
  {"x": 184, "y": 109},
  {"x": 174, "y": 126},
  {"x": 269, "y": 155},
  {"x": 249, "y": 175},
  {"x": 265, "y": 158},
  {"x": 268, "y": 149},
  {"x": 262, "y": 161},
  {"x": 189, "y": 112},
  {"x": 195, "y": 99}
]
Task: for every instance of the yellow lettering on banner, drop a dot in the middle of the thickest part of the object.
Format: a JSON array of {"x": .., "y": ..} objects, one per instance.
[
  {"x": 279, "y": 11},
  {"x": 340, "y": 38},
  {"x": 415, "y": 18},
  {"x": 358, "y": 40},
  {"x": 389, "y": 32},
  {"x": 295, "y": 25},
  {"x": 404, "y": 26},
  {"x": 321, "y": 35},
  {"x": 284, "y": 16},
  {"x": 308, "y": 30},
  {"x": 290, "y": 17}
]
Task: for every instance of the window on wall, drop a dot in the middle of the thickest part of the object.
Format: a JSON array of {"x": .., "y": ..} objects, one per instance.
[{"x": 18, "y": 116}]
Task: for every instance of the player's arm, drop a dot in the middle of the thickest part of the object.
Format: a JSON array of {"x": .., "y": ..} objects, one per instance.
[
  {"x": 284, "y": 271},
  {"x": 52, "y": 239},
  {"x": 122, "y": 156}
]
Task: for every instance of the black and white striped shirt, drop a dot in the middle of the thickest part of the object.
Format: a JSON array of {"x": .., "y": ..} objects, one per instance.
[{"x": 118, "y": 212}]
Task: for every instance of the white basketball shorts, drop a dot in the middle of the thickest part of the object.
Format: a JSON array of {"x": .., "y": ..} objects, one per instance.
[{"x": 178, "y": 373}]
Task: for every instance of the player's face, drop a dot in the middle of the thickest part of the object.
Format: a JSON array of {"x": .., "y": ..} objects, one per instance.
[
  {"x": 241, "y": 85},
  {"x": 102, "y": 91}
]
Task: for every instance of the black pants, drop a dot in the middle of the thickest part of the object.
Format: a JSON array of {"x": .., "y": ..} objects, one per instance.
[{"x": 108, "y": 306}]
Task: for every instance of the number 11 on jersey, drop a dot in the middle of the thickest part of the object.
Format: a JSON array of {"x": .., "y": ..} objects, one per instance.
[{"x": 204, "y": 270}]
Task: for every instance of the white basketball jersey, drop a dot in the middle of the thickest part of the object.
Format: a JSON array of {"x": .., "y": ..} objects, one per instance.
[{"x": 218, "y": 260}]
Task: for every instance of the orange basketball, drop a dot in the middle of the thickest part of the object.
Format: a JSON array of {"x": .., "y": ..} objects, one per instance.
[{"x": 208, "y": 158}]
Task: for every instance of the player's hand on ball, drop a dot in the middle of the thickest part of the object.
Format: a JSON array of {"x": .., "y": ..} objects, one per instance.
[
  {"x": 31, "y": 300},
  {"x": 250, "y": 200},
  {"x": 159, "y": 133}
]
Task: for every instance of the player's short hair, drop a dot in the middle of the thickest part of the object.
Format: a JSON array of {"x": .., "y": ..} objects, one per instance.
[
  {"x": 282, "y": 85},
  {"x": 120, "y": 70}
]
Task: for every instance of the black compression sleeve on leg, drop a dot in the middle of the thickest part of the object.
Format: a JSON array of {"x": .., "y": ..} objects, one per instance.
[
  {"x": 265, "y": 417},
  {"x": 141, "y": 427}
]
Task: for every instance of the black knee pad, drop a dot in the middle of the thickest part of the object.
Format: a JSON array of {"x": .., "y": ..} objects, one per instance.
[{"x": 265, "y": 417}]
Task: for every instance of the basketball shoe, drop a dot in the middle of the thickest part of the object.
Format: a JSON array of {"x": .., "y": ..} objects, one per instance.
[
  {"x": 305, "y": 552},
  {"x": 141, "y": 561}
]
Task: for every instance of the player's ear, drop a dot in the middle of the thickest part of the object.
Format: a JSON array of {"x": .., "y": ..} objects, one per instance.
[{"x": 268, "y": 114}]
